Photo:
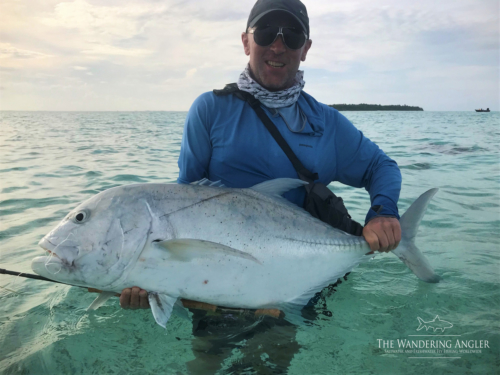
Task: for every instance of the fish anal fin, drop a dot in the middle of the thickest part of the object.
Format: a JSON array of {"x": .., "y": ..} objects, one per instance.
[
  {"x": 293, "y": 307},
  {"x": 161, "y": 306},
  {"x": 185, "y": 250}
]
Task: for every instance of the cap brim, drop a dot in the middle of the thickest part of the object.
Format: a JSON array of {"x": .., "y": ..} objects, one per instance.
[{"x": 256, "y": 19}]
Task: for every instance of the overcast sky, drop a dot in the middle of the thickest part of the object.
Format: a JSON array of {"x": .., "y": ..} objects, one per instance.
[{"x": 112, "y": 55}]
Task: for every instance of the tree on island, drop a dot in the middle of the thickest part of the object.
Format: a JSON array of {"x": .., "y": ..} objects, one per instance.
[{"x": 374, "y": 107}]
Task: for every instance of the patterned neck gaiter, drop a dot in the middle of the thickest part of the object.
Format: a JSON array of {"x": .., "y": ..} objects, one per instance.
[{"x": 270, "y": 99}]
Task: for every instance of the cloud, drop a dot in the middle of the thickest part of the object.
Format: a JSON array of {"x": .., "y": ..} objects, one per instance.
[
  {"x": 162, "y": 54},
  {"x": 191, "y": 72},
  {"x": 8, "y": 51},
  {"x": 392, "y": 34},
  {"x": 109, "y": 50},
  {"x": 103, "y": 22}
]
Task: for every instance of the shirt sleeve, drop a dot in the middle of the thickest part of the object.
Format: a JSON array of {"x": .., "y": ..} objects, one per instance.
[
  {"x": 196, "y": 150},
  {"x": 361, "y": 163}
]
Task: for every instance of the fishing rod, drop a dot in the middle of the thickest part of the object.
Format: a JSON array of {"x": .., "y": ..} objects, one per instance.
[
  {"x": 31, "y": 276},
  {"x": 275, "y": 313}
]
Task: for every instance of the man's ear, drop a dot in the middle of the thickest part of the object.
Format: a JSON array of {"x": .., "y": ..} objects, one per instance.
[
  {"x": 246, "y": 45},
  {"x": 306, "y": 49}
]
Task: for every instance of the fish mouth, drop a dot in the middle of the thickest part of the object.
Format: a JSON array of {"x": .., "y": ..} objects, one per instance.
[
  {"x": 64, "y": 254},
  {"x": 50, "y": 267},
  {"x": 49, "y": 247},
  {"x": 53, "y": 265},
  {"x": 50, "y": 253}
]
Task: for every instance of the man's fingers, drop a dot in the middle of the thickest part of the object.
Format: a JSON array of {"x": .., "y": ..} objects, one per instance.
[
  {"x": 134, "y": 298},
  {"x": 387, "y": 231},
  {"x": 397, "y": 235},
  {"x": 143, "y": 297},
  {"x": 384, "y": 241},
  {"x": 393, "y": 235},
  {"x": 125, "y": 298},
  {"x": 372, "y": 240}
]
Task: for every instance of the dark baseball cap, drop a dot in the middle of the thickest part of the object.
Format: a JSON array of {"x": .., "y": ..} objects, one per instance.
[{"x": 293, "y": 7}]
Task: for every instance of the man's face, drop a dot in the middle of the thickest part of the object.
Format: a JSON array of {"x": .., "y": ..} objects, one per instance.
[{"x": 274, "y": 67}]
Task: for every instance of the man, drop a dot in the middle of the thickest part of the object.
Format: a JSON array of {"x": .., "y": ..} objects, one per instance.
[{"x": 225, "y": 140}]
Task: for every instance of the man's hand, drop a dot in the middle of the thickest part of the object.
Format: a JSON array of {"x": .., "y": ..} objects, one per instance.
[
  {"x": 382, "y": 233},
  {"x": 134, "y": 298}
]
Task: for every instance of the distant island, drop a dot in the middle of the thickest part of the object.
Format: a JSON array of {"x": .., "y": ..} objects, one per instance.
[{"x": 374, "y": 107}]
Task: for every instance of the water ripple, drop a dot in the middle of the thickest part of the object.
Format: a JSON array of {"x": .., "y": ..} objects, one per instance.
[{"x": 53, "y": 160}]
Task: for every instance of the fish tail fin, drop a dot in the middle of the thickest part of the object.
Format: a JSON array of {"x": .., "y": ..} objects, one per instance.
[
  {"x": 421, "y": 323},
  {"x": 407, "y": 251}
]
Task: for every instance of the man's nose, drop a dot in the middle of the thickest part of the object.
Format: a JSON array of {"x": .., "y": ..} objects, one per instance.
[{"x": 278, "y": 45}]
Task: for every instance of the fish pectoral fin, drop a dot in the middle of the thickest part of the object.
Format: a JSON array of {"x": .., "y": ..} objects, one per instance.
[
  {"x": 161, "y": 306},
  {"x": 185, "y": 250},
  {"x": 100, "y": 300}
]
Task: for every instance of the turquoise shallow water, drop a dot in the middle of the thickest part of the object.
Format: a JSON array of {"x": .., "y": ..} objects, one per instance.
[{"x": 49, "y": 162}]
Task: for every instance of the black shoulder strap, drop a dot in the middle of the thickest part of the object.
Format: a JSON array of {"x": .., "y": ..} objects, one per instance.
[{"x": 303, "y": 172}]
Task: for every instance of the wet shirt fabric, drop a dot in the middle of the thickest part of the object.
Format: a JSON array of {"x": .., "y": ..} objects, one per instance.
[{"x": 225, "y": 140}]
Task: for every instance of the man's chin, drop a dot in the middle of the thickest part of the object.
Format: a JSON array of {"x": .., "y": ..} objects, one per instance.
[
  {"x": 275, "y": 86},
  {"x": 272, "y": 82}
]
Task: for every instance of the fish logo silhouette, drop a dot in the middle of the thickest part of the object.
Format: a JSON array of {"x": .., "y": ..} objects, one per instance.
[{"x": 435, "y": 324}]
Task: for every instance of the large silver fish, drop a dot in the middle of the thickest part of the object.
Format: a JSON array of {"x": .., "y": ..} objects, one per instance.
[{"x": 242, "y": 248}]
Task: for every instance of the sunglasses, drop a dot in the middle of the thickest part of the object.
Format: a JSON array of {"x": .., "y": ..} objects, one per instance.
[{"x": 265, "y": 36}]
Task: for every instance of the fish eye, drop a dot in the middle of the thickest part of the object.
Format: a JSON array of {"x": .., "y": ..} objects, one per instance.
[{"x": 80, "y": 217}]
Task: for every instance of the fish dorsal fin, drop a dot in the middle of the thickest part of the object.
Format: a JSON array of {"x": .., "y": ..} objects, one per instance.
[
  {"x": 161, "y": 306},
  {"x": 100, "y": 300},
  {"x": 187, "y": 249},
  {"x": 278, "y": 186},
  {"x": 207, "y": 182}
]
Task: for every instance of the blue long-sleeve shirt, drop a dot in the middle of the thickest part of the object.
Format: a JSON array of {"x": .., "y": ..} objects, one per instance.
[{"x": 225, "y": 140}]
